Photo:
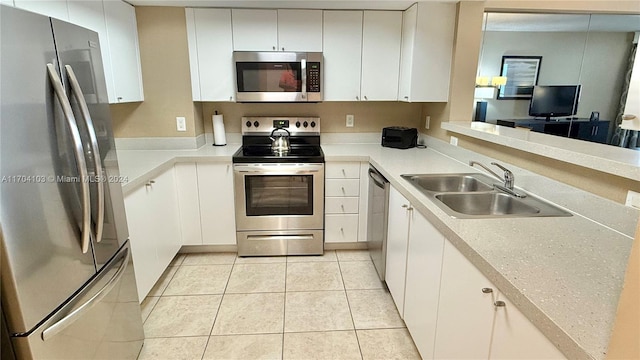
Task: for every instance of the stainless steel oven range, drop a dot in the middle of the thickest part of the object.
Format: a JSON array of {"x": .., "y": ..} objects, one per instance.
[{"x": 279, "y": 193}]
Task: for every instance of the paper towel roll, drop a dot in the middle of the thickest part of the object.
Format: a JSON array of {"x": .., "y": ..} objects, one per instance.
[{"x": 219, "y": 137}]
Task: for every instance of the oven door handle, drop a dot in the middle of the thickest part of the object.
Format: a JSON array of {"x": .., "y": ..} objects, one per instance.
[{"x": 278, "y": 169}]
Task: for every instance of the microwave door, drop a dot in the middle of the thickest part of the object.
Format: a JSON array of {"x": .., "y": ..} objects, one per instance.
[{"x": 272, "y": 81}]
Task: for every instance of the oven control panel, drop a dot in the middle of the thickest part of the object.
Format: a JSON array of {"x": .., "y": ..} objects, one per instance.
[{"x": 260, "y": 125}]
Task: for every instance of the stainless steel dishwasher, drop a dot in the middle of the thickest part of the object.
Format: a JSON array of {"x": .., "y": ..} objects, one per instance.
[{"x": 377, "y": 219}]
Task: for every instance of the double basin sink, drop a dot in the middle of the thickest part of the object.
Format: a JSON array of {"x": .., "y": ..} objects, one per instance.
[{"x": 472, "y": 195}]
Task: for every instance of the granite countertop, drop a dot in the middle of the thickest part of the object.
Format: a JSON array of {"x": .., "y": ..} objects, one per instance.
[{"x": 564, "y": 273}]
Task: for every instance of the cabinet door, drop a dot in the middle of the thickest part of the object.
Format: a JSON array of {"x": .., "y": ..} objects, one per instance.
[
  {"x": 255, "y": 30},
  {"x": 300, "y": 30},
  {"x": 397, "y": 241},
  {"x": 167, "y": 226},
  {"x": 188, "y": 203},
  {"x": 427, "y": 45},
  {"x": 381, "y": 39},
  {"x": 141, "y": 221},
  {"x": 54, "y": 8},
  {"x": 90, "y": 14},
  {"x": 215, "y": 54},
  {"x": 409, "y": 20},
  {"x": 192, "y": 44},
  {"x": 424, "y": 264},
  {"x": 217, "y": 210},
  {"x": 123, "y": 47},
  {"x": 342, "y": 51},
  {"x": 465, "y": 312},
  {"x": 515, "y": 337}
]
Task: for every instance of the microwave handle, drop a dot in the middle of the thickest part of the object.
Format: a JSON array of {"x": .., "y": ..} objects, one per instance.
[{"x": 303, "y": 69}]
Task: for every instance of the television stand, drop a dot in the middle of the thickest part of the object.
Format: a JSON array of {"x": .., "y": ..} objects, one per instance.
[{"x": 577, "y": 128}]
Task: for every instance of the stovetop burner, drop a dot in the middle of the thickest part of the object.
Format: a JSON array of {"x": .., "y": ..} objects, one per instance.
[{"x": 256, "y": 144}]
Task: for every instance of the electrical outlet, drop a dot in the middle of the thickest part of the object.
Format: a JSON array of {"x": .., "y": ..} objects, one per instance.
[
  {"x": 453, "y": 141},
  {"x": 427, "y": 122},
  {"x": 633, "y": 199},
  {"x": 181, "y": 123},
  {"x": 350, "y": 120}
]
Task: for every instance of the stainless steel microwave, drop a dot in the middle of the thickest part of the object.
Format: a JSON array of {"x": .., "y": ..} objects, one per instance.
[{"x": 278, "y": 76}]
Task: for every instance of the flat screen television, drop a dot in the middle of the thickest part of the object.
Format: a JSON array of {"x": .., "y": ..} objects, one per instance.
[{"x": 554, "y": 100}]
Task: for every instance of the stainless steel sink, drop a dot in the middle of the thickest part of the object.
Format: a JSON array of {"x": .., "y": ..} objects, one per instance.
[
  {"x": 472, "y": 196},
  {"x": 451, "y": 182}
]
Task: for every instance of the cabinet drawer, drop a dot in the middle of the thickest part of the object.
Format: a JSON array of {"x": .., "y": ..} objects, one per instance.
[
  {"x": 341, "y": 228},
  {"x": 342, "y": 187},
  {"x": 342, "y": 170},
  {"x": 341, "y": 205}
]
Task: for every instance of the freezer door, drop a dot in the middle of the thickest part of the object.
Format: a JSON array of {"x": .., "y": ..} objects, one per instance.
[
  {"x": 40, "y": 204},
  {"x": 103, "y": 321},
  {"x": 84, "y": 81}
]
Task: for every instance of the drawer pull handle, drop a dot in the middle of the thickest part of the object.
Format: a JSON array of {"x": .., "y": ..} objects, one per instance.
[
  {"x": 344, "y": 172},
  {"x": 499, "y": 303},
  {"x": 487, "y": 290},
  {"x": 342, "y": 206},
  {"x": 344, "y": 192},
  {"x": 342, "y": 230}
]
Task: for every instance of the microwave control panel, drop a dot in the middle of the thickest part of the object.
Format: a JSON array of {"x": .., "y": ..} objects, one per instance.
[{"x": 313, "y": 77}]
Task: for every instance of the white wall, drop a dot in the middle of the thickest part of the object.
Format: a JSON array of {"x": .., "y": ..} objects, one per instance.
[{"x": 562, "y": 54}]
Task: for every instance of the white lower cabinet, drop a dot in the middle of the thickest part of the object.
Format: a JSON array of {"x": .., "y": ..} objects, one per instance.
[
  {"x": 424, "y": 264},
  {"x": 154, "y": 229},
  {"x": 465, "y": 312},
  {"x": 217, "y": 209},
  {"x": 515, "y": 337},
  {"x": 345, "y": 202},
  {"x": 397, "y": 241},
  {"x": 451, "y": 310}
]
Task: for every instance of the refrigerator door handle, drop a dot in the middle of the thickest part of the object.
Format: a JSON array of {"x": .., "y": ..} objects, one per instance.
[
  {"x": 61, "y": 324},
  {"x": 79, "y": 154},
  {"x": 76, "y": 91}
]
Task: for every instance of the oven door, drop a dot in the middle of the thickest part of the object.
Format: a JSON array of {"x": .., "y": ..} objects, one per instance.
[{"x": 279, "y": 196}]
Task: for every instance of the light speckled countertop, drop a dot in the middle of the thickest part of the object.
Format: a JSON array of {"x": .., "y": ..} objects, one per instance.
[{"x": 565, "y": 273}]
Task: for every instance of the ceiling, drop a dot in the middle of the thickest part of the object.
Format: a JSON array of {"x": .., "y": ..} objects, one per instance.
[
  {"x": 561, "y": 22},
  {"x": 288, "y": 4}
]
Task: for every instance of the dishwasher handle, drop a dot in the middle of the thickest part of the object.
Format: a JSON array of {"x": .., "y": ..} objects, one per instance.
[{"x": 377, "y": 178}]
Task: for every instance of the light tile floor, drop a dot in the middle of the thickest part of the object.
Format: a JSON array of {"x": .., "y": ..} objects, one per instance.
[{"x": 220, "y": 306}]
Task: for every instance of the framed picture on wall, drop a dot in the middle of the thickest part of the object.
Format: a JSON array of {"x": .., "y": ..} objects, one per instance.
[{"x": 522, "y": 75}]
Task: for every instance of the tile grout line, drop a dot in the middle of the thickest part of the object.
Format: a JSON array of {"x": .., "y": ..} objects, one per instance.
[
  {"x": 349, "y": 305},
  {"x": 218, "y": 310},
  {"x": 284, "y": 307}
]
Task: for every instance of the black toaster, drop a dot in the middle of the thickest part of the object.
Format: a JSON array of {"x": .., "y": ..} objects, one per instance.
[{"x": 399, "y": 137}]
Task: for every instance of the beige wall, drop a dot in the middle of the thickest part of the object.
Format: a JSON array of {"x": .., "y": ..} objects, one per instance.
[
  {"x": 625, "y": 340},
  {"x": 369, "y": 117},
  {"x": 164, "y": 57}
]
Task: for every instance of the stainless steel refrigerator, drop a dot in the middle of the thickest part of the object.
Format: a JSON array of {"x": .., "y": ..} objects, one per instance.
[{"x": 68, "y": 287}]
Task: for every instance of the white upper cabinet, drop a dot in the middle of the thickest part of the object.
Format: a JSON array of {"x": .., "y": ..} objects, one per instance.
[
  {"x": 277, "y": 30},
  {"x": 342, "y": 51},
  {"x": 90, "y": 14},
  {"x": 54, "y": 8},
  {"x": 427, "y": 45},
  {"x": 381, "y": 40},
  {"x": 300, "y": 30},
  {"x": 255, "y": 30},
  {"x": 7, "y": 2},
  {"x": 211, "y": 54},
  {"x": 122, "y": 31}
]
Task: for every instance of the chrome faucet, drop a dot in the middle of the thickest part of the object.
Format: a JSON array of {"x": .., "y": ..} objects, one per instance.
[{"x": 508, "y": 179}]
